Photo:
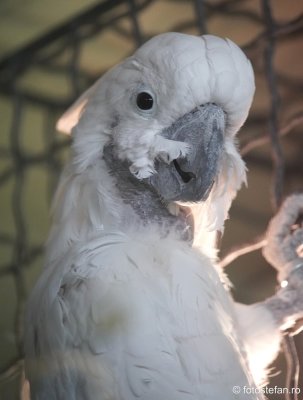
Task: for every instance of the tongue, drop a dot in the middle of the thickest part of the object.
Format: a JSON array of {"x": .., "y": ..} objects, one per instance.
[{"x": 185, "y": 176}]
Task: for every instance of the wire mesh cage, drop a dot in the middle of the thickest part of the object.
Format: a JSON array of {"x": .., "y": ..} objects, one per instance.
[{"x": 41, "y": 78}]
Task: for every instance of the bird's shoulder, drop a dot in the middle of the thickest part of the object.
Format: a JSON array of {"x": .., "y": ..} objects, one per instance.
[{"x": 148, "y": 311}]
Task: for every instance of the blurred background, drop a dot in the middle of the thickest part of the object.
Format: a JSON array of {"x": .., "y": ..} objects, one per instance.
[{"x": 51, "y": 51}]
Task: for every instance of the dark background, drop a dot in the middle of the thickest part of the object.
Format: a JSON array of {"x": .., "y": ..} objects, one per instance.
[{"x": 51, "y": 51}]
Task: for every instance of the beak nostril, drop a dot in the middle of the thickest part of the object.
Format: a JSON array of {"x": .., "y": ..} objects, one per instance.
[{"x": 185, "y": 176}]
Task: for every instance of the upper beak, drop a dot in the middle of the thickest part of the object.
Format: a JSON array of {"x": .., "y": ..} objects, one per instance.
[{"x": 191, "y": 178}]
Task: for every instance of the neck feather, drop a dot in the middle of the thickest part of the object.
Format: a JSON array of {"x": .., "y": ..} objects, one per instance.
[{"x": 106, "y": 198}]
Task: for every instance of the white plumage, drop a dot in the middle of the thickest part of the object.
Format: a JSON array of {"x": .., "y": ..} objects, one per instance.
[{"x": 125, "y": 307}]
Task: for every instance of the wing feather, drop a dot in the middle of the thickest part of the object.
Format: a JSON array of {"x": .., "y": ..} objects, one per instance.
[{"x": 130, "y": 321}]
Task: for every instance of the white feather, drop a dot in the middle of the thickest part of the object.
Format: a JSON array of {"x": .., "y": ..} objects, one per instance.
[
  {"x": 130, "y": 309},
  {"x": 261, "y": 336},
  {"x": 120, "y": 313}
]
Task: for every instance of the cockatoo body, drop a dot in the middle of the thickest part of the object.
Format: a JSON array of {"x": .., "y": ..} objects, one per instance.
[{"x": 130, "y": 304}]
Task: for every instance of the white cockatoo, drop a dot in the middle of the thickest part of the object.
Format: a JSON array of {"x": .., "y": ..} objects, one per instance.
[{"x": 131, "y": 304}]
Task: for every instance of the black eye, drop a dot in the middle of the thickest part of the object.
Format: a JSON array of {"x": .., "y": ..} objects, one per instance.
[{"x": 145, "y": 101}]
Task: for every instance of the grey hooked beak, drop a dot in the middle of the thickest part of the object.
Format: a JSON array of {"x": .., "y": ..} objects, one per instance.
[{"x": 191, "y": 178}]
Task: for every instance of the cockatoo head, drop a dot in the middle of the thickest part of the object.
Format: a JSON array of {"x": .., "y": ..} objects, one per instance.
[{"x": 168, "y": 116}]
